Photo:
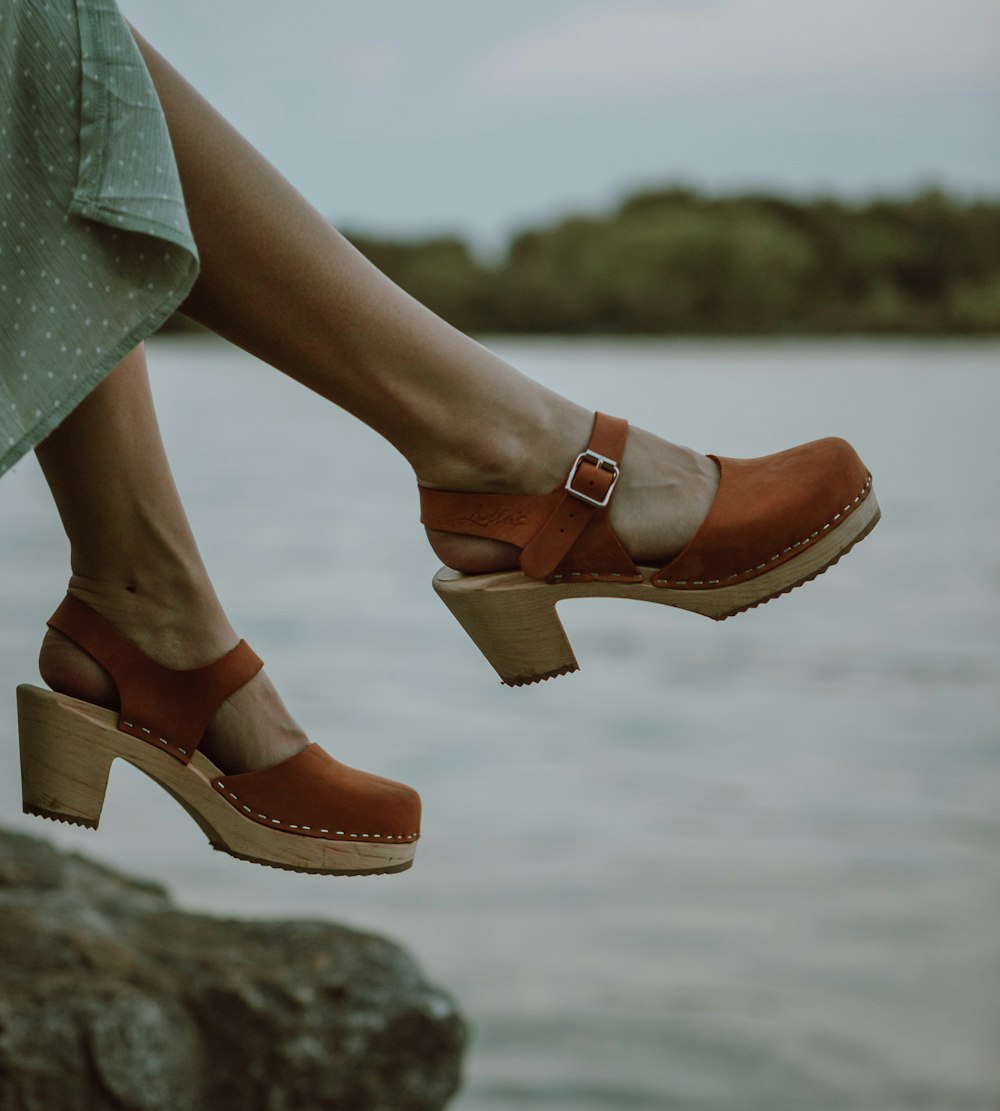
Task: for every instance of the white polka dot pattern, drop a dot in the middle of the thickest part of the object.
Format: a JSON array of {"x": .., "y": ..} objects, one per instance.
[{"x": 95, "y": 246}]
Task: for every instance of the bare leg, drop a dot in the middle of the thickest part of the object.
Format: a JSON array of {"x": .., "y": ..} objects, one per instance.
[
  {"x": 280, "y": 282},
  {"x": 134, "y": 560}
]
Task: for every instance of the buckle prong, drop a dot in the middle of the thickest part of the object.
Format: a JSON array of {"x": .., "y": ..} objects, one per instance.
[{"x": 603, "y": 464}]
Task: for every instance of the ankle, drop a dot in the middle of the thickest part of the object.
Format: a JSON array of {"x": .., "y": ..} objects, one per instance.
[
  {"x": 250, "y": 730},
  {"x": 176, "y": 619},
  {"x": 664, "y": 495},
  {"x": 529, "y": 454},
  {"x": 533, "y": 457}
]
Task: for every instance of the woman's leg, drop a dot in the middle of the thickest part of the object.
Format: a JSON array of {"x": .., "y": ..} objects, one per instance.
[
  {"x": 135, "y": 561},
  {"x": 280, "y": 282}
]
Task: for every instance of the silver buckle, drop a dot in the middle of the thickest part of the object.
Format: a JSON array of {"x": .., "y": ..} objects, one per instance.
[{"x": 603, "y": 464}]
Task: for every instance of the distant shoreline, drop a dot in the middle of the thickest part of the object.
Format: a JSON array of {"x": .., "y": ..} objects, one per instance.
[{"x": 676, "y": 262}]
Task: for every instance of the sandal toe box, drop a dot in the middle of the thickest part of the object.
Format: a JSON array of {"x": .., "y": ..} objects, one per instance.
[
  {"x": 768, "y": 510},
  {"x": 313, "y": 794}
]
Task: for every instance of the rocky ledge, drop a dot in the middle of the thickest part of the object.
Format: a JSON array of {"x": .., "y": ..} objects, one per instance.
[{"x": 110, "y": 998}]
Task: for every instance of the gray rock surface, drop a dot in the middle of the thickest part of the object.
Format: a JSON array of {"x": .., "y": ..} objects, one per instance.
[{"x": 112, "y": 999}]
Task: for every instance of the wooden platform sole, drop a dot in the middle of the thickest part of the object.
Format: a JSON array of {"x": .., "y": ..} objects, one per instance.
[
  {"x": 513, "y": 619},
  {"x": 68, "y": 747}
]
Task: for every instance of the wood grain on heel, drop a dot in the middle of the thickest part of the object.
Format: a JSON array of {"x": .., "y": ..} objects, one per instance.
[
  {"x": 517, "y": 630},
  {"x": 64, "y": 765}
]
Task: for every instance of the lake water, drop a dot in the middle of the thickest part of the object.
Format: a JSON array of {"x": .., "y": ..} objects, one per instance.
[{"x": 744, "y": 866}]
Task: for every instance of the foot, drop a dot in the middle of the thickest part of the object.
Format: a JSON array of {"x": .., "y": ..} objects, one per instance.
[
  {"x": 664, "y": 493},
  {"x": 251, "y": 730}
]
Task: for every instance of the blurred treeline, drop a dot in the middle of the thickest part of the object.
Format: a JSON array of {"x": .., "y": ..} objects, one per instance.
[{"x": 675, "y": 261}]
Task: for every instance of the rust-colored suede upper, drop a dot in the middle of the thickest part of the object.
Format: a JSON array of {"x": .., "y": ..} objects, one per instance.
[
  {"x": 310, "y": 793},
  {"x": 765, "y": 512},
  {"x": 314, "y": 794},
  {"x": 170, "y": 709}
]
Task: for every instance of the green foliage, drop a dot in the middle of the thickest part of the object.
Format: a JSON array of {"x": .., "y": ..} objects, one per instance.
[{"x": 675, "y": 261}]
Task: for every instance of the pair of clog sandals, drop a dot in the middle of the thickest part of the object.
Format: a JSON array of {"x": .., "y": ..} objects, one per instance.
[{"x": 776, "y": 523}]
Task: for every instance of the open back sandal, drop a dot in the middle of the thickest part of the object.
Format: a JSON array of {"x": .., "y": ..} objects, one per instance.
[
  {"x": 309, "y": 813},
  {"x": 776, "y": 522}
]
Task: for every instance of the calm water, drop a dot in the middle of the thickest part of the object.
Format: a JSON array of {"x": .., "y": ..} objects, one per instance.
[{"x": 743, "y": 866}]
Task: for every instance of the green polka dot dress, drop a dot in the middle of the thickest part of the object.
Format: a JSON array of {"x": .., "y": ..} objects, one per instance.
[{"x": 95, "y": 246}]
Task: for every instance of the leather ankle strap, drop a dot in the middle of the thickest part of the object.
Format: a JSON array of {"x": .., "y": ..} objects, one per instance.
[
  {"x": 562, "y": 533},
  {"x": 586, "y": 496},
  {"x": 170, "y": 709}
]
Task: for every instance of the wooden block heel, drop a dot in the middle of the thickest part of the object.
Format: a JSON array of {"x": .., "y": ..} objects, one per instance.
[
  {"x": 776, "y": 523},
  {"x": 64, "y": 768},
  {"x": 516, "y": 628},
  {"x": 310, "y": 813}
]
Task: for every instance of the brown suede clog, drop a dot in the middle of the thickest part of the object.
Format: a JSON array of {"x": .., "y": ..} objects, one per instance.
[
  {"x": 776, "y": 522},
  {"x": 310, "y": 813}
]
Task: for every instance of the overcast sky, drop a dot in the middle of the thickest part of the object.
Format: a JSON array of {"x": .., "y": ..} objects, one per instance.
[{"x": 481, "y": 116}]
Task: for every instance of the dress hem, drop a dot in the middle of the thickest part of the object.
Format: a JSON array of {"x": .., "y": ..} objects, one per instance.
[{"x": 49, "y": 423}]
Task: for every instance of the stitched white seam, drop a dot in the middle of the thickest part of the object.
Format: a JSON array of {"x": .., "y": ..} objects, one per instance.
[
  {"x": 593, "y": 575},
  {"x": 798, "y": 543},
  {"x": 339, "y": 833},
  {"x": 736, "y": 574},
  {"x": 149, "y": 733}
]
